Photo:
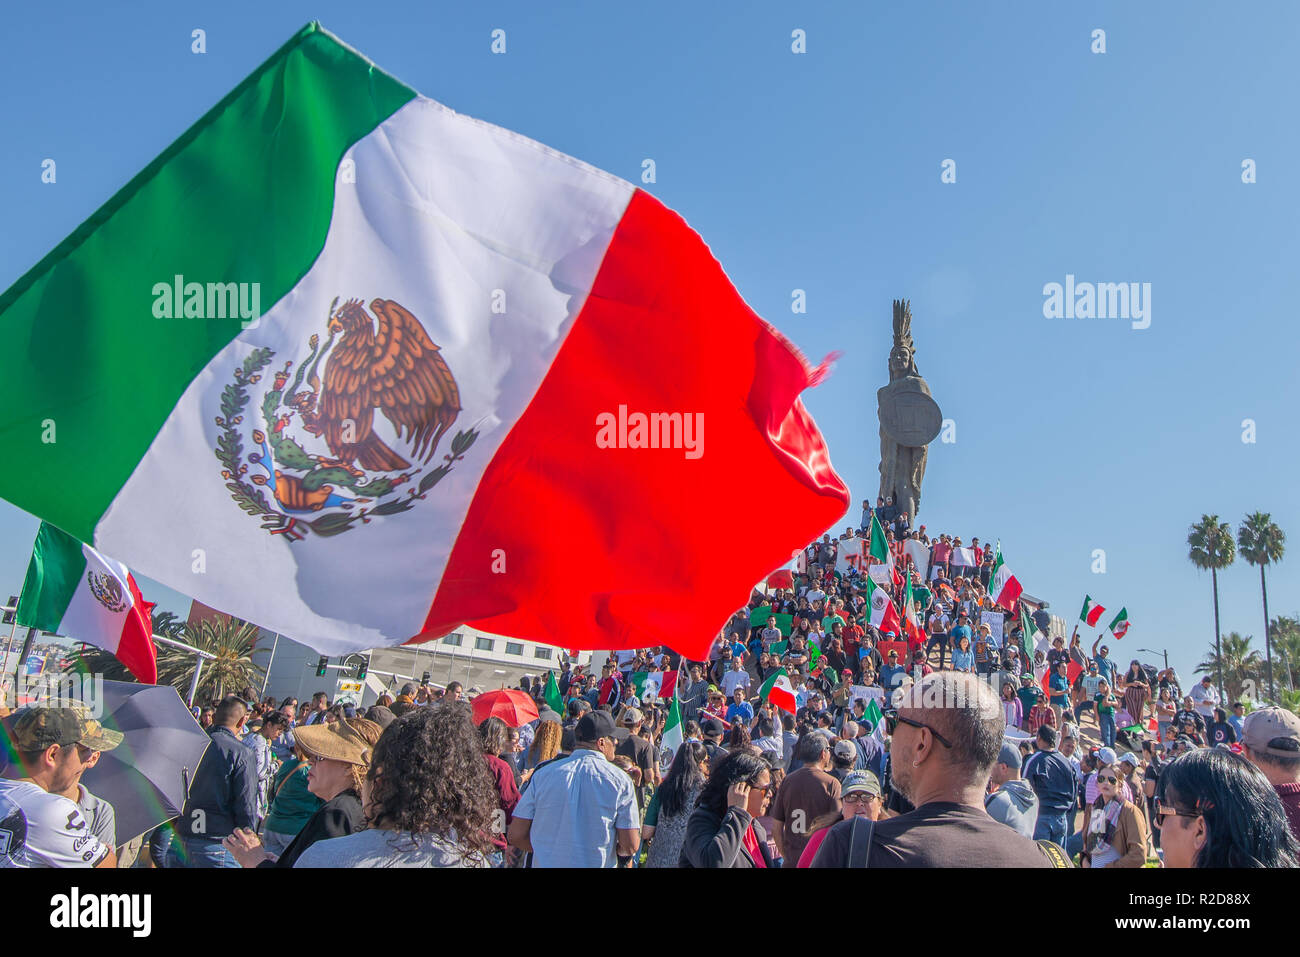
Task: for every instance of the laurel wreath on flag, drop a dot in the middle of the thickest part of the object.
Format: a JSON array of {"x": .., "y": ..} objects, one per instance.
[{"x": 251, "y": 498}]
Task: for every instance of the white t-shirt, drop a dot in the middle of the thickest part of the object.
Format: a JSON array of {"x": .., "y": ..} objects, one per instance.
[
  {"x": 1205, "y": 700},
  {"x": 40, "y": 829},
  {"x": 734, "y": 679}
]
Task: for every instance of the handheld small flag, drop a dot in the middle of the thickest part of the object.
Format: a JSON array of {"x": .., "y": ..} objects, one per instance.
[
  {"x": 877, "y": 719},
  {"x": 1091, "y": 612},
  {"x": 777, "y": 690},
  {"x": 883, "y": 615},
  {"x": 672, "y": 736},
  {"x": 1004, "y": 587},
  {"x": 554, "y": 701},
  {"x": 1027, "y": 631},
  {"x": 1119, "y": 627}
]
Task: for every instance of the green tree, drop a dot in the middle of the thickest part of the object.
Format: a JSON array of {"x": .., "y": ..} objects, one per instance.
[
  {"x": 1262, "y": 543},
  {"x": 1286, "y": 640},
  {"x": 231, "y": 670},
  {"x": 233, "y": 644},
  {"x": 1210, "y": 546},
  {"x": 1290, "y": 700},
  {"x": 1233, "y": 657}
]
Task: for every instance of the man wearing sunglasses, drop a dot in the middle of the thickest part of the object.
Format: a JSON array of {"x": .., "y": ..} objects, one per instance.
[
  {"x": 39, "y": 827},
  {"x": 946, "y": 737}
]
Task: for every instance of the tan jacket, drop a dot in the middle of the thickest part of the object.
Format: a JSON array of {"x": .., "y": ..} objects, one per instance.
[{"x": 1130, "y": 838}]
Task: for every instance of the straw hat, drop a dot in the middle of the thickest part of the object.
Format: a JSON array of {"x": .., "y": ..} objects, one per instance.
[{"x": 338, "y": 741}]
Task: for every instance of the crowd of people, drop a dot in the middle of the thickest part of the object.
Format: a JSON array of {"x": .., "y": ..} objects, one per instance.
[{"x": 952, "y": 748}]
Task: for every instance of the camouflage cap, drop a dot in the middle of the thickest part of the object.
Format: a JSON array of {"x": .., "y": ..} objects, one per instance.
[{"x": 36, "y": 728}]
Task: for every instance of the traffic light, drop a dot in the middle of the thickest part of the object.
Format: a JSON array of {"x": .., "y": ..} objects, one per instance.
[
  {"x": 9, "y": 615},
  {"x": 321, "y": 666},
  {"x": 363, "y": 666}
]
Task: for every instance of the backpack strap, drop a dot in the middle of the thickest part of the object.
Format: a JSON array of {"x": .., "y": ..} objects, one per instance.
[
  {"x": 860, "y": 831},
  {"x": 1053, "y": 853}
]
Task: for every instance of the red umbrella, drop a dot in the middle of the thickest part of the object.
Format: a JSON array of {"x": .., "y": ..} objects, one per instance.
[{"x": 512, "y": 706}]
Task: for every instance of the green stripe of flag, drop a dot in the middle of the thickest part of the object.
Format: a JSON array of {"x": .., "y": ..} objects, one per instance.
[
  {"x": 53, "y": 575},
  {"x": 244, "y": 195}
]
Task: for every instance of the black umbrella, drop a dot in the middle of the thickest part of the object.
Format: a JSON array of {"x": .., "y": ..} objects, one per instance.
[{"x": 147, "y": 776}]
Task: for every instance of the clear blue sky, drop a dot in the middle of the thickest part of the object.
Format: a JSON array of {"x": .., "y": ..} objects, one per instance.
[{"x": 822, "y": 172}]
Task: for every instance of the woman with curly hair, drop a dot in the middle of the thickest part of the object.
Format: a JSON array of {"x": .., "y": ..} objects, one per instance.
[{"x": 429, "y": 798}]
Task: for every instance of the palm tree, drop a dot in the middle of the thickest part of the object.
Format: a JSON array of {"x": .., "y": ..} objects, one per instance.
[
  {"x": 231, "y": 641},
  {"x": 1290, "y": 700},
  {"x": 1233, "y": 656},
  {"x": 1210, "y": 546},
  {"x": 1286, "y": 639},
  {"x": 1261, "y": 543}
]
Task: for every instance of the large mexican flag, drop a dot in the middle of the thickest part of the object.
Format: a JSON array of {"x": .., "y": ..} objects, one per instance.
[
  {"x": 73, "y": 590},
  {"x": 360, "y": 369}
]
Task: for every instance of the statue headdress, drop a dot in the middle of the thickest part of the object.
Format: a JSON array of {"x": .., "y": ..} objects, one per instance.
[{"x": 903, "y": 333}]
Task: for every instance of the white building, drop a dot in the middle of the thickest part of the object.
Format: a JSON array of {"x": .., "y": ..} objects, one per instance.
[{"x": 474, "y": 658}]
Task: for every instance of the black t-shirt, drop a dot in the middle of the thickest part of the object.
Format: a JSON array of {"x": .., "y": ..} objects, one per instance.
[
  {"x": 641, "y": 752},
  {"x": 1152, "y": 773},
  {"x": 1222, "y": 733},
  {"x": 939, "y": 834}
]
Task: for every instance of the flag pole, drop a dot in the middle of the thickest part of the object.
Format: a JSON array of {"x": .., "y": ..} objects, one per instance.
[{"x": 267, "y": 676}]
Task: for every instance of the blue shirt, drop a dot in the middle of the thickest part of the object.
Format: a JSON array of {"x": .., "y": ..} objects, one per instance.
[
  {"x": 963, "y": 660},
  {"x": 743, "y": 711},
  {"x": 576, "y": 803},
  {"x": 1060, "y": 686},
  {"x": 889, "y": 673},
  {"x": 1106, "y": 668}
]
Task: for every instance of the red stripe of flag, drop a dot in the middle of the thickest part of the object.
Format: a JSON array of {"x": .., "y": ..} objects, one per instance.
[{"x": 617, "y": 548}]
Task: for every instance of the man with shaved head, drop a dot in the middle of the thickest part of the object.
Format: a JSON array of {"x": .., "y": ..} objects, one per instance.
[{"x": 945, "y": 738}]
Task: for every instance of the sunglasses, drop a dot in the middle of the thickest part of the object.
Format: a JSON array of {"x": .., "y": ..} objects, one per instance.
[
  {"x": 1109, "y": 779},
  {"x": 1165, "y": 810},
  {"x": 893, "y": 721},
  {"x": 860, "y": 797}
]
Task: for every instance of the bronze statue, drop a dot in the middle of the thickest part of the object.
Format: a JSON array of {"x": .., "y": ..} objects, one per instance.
[{"x": 909, "y": 419}]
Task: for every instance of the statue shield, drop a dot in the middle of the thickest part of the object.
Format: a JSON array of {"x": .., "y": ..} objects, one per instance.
[{"x": 908, "y": 415}]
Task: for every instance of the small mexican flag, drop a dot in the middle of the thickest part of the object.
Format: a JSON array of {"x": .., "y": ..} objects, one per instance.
[
  {"x": 1119, "y": 627},
  {"x": 73, "y": 590},
  {"x": 911, "y": 623},
  {"x": 876, "y": 717},
  {"x": 814, "y": 655},
  {"x": 880, "y": 547},
  {"x": 1091, "y": 612},
  {"x": 883, "y": 615},
  {"x": 1027, "y": 631},
  {"x": 1004, "y": 587},
  {"x": 672, "y": 736},
  {"x": 662, "y": 682},
  {"x": 554, "y": 701},
  {"x": 777, "y": 690}
]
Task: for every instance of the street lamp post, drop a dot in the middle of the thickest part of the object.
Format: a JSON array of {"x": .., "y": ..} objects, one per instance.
[{"x": 1164, "y": 653}]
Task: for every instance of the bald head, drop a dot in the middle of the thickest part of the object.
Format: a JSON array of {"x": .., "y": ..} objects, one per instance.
[{"x": 966, "y": 711}]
